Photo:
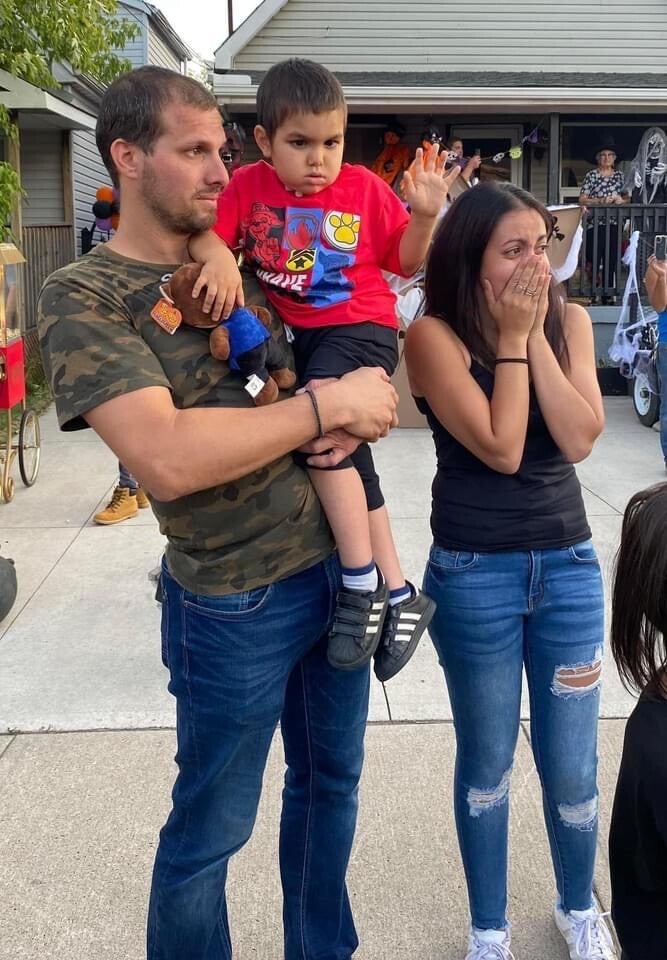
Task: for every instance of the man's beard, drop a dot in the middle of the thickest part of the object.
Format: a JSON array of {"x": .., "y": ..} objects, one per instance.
[{"x": 183, "y": 222}]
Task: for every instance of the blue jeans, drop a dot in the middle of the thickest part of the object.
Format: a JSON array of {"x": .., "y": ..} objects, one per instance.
[
  {"x": 126, "y": 479},
  {"x": 497, "y": 612},
  {"x": 240, "y": 664},
  {"x": 662, "y": 375}
]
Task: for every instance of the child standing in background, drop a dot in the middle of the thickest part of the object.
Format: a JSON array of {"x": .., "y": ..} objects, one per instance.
[{"x": 638, "y": 835}]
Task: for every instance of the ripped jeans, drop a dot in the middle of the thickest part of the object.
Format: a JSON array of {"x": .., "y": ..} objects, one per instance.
[{"x": 497, "y": 612}]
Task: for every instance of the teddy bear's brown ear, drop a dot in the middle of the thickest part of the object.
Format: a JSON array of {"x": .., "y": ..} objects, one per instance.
[{"x": 180, "y": 291}]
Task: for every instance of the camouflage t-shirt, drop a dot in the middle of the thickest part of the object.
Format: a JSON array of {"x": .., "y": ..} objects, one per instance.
[{"x": 99, "y": 342}]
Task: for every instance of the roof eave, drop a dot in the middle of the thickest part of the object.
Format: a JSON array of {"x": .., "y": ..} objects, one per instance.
[
  {"x": 244, "y": 33},
  {"x": 241, "y": 92}
]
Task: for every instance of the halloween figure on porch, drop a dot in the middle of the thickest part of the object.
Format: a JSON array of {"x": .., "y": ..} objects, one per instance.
[
  {"x": 394, "y": 158},
  {"x": 646, "y": 182}
]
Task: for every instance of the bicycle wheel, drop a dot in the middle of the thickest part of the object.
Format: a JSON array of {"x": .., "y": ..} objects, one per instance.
[{"x": 29, "y": 447}]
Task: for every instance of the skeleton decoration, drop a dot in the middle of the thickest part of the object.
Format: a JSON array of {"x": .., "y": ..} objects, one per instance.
[{"x": 646, "y": 182}]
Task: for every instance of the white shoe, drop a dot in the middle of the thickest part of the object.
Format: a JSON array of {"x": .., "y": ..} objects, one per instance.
[
  {"x": 489, "y": 945},
  {"x": 586, "y": 934}
]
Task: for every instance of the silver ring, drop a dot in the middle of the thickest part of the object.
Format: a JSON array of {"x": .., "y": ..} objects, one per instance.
[
  {"x": 520, "y": 288},
  {"x": 530, "y": 293}
]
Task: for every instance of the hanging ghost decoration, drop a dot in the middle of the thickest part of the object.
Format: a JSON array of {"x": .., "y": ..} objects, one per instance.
[{"x": 646, "y": 181}]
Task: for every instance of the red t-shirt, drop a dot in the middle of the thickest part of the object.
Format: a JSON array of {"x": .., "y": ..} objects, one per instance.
[{"x": 320, "y": 258}]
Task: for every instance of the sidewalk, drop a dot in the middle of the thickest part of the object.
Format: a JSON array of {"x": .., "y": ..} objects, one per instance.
[{"x": 86, "y": 738}]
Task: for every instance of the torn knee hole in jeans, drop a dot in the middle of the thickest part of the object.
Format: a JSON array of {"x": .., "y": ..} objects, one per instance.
[
  {"x": 579, "y": 679},
  {"x": 481, "y": 800},
  {"x": 579, "y": 816}
]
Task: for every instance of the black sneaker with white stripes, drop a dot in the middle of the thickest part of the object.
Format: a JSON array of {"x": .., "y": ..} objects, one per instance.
[
  {"x": 403, "y": 626},
  {"x": 357, "y": 626}
]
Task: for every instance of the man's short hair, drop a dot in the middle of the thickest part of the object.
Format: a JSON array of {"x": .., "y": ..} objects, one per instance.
[
  {"x": 297, "y": 86},
  {"x": 132, "y": 108}
]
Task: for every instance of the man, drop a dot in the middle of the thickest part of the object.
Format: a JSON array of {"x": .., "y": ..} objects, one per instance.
[{"x": 249, "y": 580}]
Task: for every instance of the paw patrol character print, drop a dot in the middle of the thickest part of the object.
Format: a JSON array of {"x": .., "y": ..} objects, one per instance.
[
  {"x": 342, "y": 229},
  {"x": 262, "y": 226}
]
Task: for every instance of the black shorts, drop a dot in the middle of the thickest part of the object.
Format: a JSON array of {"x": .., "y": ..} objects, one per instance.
[{"x": 335, "y": 351}]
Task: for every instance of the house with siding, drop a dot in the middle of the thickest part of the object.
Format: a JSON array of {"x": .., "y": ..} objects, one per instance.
[
  {"x": 489, "y": 73},
  {"x": 56, "y": 154}
]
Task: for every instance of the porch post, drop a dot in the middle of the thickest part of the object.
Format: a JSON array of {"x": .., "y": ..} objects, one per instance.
[{"x": 553, "y": 188}]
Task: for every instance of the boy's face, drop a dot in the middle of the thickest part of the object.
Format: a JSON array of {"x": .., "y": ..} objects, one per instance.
[{"x": 306, "y": 150}]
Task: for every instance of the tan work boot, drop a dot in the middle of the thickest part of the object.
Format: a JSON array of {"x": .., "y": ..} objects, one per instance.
[
  {"x": 122, "y": 506},
  {"x": 142, "y": 499}
]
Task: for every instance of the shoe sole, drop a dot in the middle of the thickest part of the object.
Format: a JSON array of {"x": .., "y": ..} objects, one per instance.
[
  {"x": 398, "y": 665},
  {"x": 368, "y": 656}
]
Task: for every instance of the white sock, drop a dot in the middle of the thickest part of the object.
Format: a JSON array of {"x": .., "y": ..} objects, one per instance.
[{"x": 361, "y": 579}]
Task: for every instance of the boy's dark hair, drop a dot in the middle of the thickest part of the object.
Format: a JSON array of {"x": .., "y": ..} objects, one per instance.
[
  {"x": 297, "y": 86},
  {"x": 452, "y": 281},
  {"x": 639, "y": 598},
  {"x": 133, "y": 105},
  {"x": 452, "y": 140}
]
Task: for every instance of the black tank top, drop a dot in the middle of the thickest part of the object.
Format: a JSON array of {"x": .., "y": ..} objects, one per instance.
[{"x": 476, "y": 508}]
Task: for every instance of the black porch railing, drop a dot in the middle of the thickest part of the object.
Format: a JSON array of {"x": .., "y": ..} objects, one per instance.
[{"x": 601, "y": 273}]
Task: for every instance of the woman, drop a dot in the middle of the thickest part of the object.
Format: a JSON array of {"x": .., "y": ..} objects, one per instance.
[
  {"x": 504, "y": 370},
  {"x": 603, "y": 186}
]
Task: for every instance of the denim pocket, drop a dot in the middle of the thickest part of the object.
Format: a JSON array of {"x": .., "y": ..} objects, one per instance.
[
  {"x": 233, "y": 606},
  {"x": 583, "y": 552},
  {"x": 454, "y": 560}
]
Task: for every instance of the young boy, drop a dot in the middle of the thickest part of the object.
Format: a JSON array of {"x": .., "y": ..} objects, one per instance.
[{"x": 318, "y": 234}]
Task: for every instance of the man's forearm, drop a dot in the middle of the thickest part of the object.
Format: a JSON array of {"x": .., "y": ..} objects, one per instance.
[
  {"x": 243, "y": 446},
  {"x": 656, "y": 288},
  {"x": 415, "y": 243},
  {"x": 176, "y": 452}
]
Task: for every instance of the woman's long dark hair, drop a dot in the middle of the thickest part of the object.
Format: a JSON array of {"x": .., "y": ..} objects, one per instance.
[
  {"x": 639, "y": 599},
  {"x": 452, "y": 282}
]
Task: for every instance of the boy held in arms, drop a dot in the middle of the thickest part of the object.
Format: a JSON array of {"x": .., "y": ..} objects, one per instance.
[{"x": 318, "y": 234}]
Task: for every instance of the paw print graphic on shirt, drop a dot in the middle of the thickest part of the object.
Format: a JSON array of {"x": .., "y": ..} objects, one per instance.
[{"x": 342, "y": 229}]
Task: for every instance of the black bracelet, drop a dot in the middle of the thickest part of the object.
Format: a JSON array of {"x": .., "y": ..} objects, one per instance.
[
  {"x": 511, "y": 360},
  {"x": 316, "y": 411}
]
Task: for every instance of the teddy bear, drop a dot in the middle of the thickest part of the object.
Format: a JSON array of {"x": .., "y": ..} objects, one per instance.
[{"x": 243, "y": 339}]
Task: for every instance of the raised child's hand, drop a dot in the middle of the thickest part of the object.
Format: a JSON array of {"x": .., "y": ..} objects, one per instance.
[
  {"x": 426, "y": 190},
  {"x": 224, "y": 287}
]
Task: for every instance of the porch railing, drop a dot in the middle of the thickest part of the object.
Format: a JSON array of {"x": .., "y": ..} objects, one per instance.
[
  {"x": 601, "y": 274},
  {"x": 46, "y": 249}
]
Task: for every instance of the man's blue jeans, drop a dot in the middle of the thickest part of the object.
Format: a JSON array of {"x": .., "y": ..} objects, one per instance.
[
  {"x": 662, "y": 375},
  {"x": 495, "y": 613},
  {"x": 239, "y": 665}
]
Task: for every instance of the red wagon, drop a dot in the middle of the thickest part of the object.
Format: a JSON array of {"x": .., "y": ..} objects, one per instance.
[{"x": 26, "y": 445}]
